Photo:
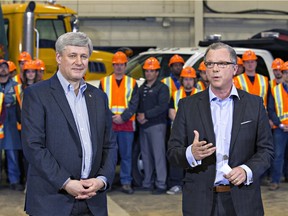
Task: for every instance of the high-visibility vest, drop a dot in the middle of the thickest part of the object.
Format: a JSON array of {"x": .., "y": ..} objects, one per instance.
[
  {"x": 182, "y": 94},
  {"x": 171, "y": 85},
  {"x": 17, "y": 78},
  {"x": 200, "y": 85},
  {"x": 119, "y": 97},
  {"x": 281, "y": 103},
  {"x": 18, "y": 97},
  {"x": 259, "y": 87},
  {"x": 1, "y": 105},
  {"x": 273, "y": 83}
]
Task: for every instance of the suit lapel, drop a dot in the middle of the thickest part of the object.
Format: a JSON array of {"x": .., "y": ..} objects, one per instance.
[
  {"x": 205, "y": 113},
  {"x": 60, "y": 98},
  {"x": 238, "y": 112},
  {"x": 92, "y": 113}
]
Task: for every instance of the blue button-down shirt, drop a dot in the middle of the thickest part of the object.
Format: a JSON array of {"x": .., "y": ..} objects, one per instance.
[
  {"x": 222, "y": 117},
  {"x": 78, "y": 107}
]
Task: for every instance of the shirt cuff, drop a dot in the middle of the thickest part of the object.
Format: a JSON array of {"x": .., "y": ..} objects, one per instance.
[
  {"x": 104, "y": 180},
  {"x": 249, "y": 175},
  {"x": 190, "y": 158}
]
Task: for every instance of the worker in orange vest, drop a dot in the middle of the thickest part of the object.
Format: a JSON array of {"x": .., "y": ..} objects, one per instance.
[
  {"x": 122, "y": 92},
  {"x": 250, "y": 81},
  {"x": 278, "y": 113},
  {"x": 241, "y": 68},
  {"x": 203, "y": 83},
  {"x": 187, "y": 80},
  {"x": 11, "y": 142},
  {"x": 175, "y": 64},
  {"x": 276, "y": 67},
  {"x": 23, "y": 57}
]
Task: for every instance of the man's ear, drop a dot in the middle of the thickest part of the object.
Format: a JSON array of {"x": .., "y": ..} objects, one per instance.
[
  {"x": 235, "y": 69},
  {"x": 58, "y": 58}
]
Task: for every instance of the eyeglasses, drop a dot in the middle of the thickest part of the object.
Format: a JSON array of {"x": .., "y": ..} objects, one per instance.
[{"x": 219, "y": 64}]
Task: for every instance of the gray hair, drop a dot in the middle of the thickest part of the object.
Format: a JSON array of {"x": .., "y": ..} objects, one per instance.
[
  {"x": 79, "y": 39},
  {"x": 219, "y": 45}
]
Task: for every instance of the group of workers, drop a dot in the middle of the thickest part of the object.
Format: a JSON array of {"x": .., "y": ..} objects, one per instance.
[
  {"x": 147, "y": 108},
  {"x": 11, "y": 91}
]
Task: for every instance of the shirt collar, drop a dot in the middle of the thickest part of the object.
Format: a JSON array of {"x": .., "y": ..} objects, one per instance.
[
  {"x": 233, "y": 93},
  {"x": 67, "y": 86}
]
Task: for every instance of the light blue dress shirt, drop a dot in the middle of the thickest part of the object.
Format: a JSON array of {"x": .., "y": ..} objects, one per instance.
[
  {"x": 222, "y": 117},
  {"x": 78, "y": 107}
]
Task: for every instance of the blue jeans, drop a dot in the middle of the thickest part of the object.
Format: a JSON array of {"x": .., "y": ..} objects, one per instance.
[
  {"x": 280, "y": 143},
  {"x": 125, "y": 143},
  {"x": 13, "y": 166}
]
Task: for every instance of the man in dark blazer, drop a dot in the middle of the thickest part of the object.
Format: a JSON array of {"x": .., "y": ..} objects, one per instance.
[
  {"x": 222, "y": 138},
  {"x": 67, "y": 138}
]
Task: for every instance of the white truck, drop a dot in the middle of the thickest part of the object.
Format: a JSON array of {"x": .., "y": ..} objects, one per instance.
[{"x": 193, "y": 57}]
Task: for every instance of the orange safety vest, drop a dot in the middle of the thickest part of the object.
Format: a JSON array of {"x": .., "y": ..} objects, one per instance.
[
  {"x": 17, "y": 78},
  {"x": 281, "y": 103},
  {"x": 171, "y": 85},
  {"x": 259, "y": 87},
  {"x": 200, "y": 85},
  {"x": 1, "y": 105},
  {"x": 18, "y": 93},
  {"x": 119, "y": 97},
  {"x": 273, "y": 83},
  {"x": 182, "y": 94}
]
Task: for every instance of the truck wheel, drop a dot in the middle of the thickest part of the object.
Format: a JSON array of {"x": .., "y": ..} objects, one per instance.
[{"x": 137, "y": 165}]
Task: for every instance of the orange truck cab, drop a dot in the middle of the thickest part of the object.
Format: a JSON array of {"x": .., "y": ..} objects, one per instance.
[{"x": 35, "y": 27}]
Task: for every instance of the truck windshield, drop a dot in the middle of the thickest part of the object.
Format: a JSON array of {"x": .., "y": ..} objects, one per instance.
[{"x": 49, "y": 30}]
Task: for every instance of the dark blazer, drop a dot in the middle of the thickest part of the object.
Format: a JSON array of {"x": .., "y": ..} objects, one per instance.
[
  {"x": 251, "y": 144},
  {"x": 52, "y": 147}
]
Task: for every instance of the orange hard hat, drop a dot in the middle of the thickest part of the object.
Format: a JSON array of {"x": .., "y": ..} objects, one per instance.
[
  {"x": 119, "y": 58},
  {"x": 24, "y": 56},
  {"x": 176, "y": 59},
  {"x": 276, "y": 64},
  {"x": 188, "y": 72},
  {"x": 202, "y": 66},
  {"x": 284, "y": 66},
  {"x": 151, "y": 64},
  {"x": 30, "y": 65},
  {"x": 40, "y": 64},
  {"x": 249, "y": 55},
  {"x": 239, "y": 61},
  {"x": 11, "y": 66}
]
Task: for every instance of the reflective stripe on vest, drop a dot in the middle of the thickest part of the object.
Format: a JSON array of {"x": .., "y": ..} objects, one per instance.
[
  {"x": 273, "y": 83},
  {"x": 259, "y": 87},
  {"x": 182, "y": 94},
  {"x": 17, "y": 78},
  {"x": 171, "y": 85},
  {"x": 200, "y": 85},
  {"x": 281, "y": 103},
  {"x": 1, "y": 105},
  {"x": 18, "y": 93}
]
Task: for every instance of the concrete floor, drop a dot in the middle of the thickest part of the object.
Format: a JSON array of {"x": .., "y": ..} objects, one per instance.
[{"x": 144, "y": 204}]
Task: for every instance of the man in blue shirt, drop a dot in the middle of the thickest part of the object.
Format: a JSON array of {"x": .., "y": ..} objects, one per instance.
[
  {"x": 223, "y": 140},
  {"x": 68, "y": 138}
]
